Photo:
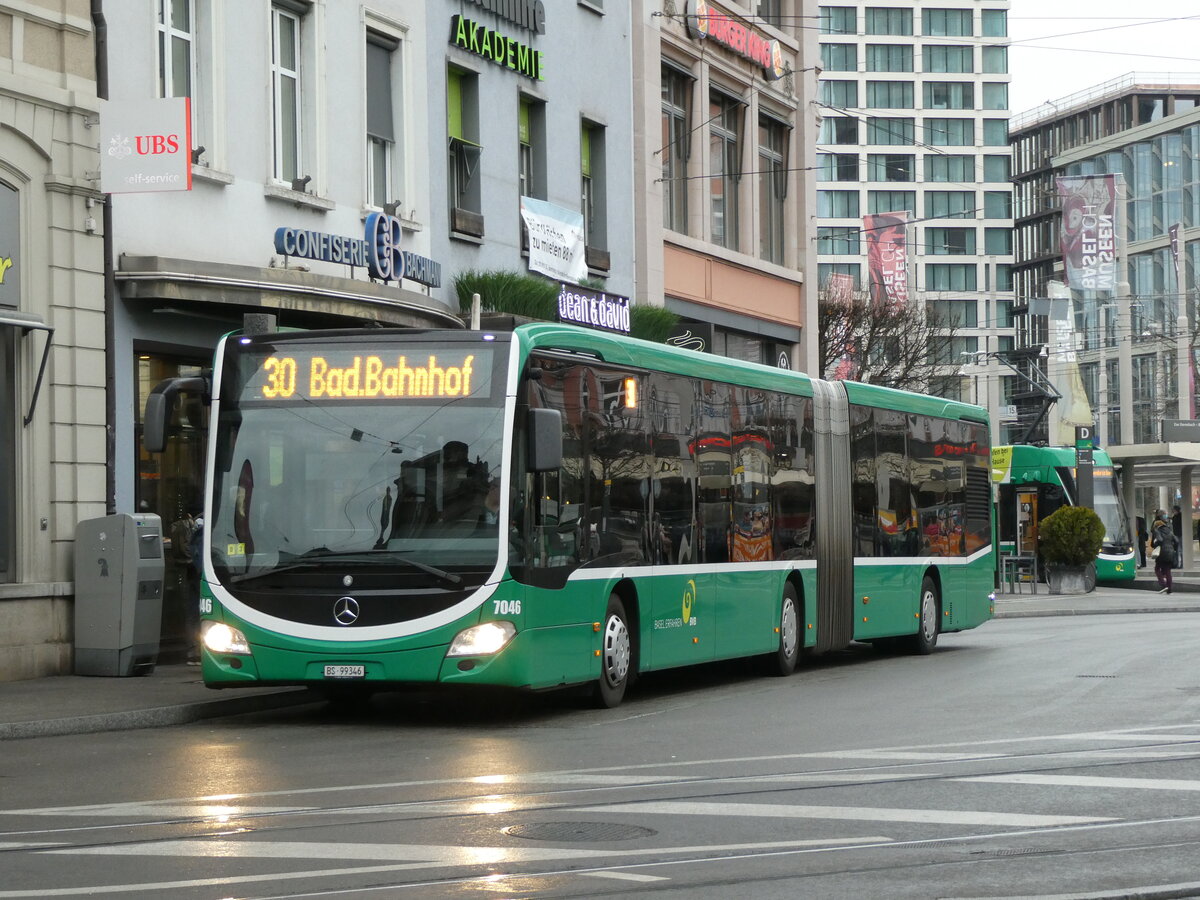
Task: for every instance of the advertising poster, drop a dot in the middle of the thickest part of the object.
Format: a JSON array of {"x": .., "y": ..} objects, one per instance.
[{"x": 887, "y": 257}]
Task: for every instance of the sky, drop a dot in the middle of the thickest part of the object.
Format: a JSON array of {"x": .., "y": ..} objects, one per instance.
[{"x": 1059, "y": 47}]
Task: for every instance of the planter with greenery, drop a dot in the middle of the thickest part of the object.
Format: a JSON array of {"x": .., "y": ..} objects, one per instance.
[{"x": 1068, "y": 541}]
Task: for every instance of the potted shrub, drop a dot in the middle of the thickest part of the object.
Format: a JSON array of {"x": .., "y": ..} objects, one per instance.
[{"x": 1068, "y": 541}]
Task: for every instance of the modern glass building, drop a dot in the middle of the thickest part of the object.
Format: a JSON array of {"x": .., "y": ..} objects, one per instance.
[{"x": 914, "y": 108}]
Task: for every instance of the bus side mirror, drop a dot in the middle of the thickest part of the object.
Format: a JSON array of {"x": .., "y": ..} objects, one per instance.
[
  {"x": 545, "y": 440},
  {"x": 160, "y": 406}
]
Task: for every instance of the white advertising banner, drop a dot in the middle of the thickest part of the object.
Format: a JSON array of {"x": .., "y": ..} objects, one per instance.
[
  {"x": 146, "y": 145},
  {"x": 555, "y": 240}
]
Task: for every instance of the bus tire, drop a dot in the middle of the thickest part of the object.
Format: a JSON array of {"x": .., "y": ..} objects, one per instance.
[
  {"x": 616, "y": 655},
  {"x": 783, "y": 660},
  {"x": 923, "y": 642}
]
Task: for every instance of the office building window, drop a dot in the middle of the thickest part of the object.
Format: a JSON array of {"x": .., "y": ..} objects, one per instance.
[
  {"x": 287, "y": 91},
  {"x": 839, "y": 130},
  {"x": 593, "y": 186},
  {"x": 837, "y": 20},
  {"x": 947, "y": 58},
  {"x": 839, "y": 94},
  {"x": 946, "y": 22},
  {"x": 462, "y": 128},
  {"x": 997, "y": 241},
  {"x": 888, "y": 20},
  {"x": 837, "y": 167},
  {"x": 995, "y": 132},
  {"x": 382, "y": 155},
  {"x": 8, "y": 417},
  {"x": 955, "y": 313},
  {"x": 995, "y": 60},
  {"x": 890, "y": 94},
  {"x": 994, "y": 22},
  {"x": 949, "y": 95},
  {"x": 839, "y": 240},
  {"x": 891, "y": 201},
  {"x": 676, "y": 146},
  {"x": 997, "y": 204},
  {"x": 824, "y": 270},
  {"x": 950, "y": 276},
  {"x": 890, "y": 131},
  {"x": 724, "y": 167},
  {"x": 997, "y": 168},
  {"x": 950, "y": 241},
  {"x": 889, "y": 58},
  {"x": 891, "y": 167},
  {"x": 950, "y": 132},
  {"x": 995, "y": 95},
  {"x": 949, "y": 204},
  {"x": 950, "y": 168},
  {"x": 839, "y": 57},
  {"x": 837, "y": 204},
  {"x": 772, "y": 186}
]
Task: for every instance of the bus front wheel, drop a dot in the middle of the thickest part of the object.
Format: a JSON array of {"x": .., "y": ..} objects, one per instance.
[
  {"x": 923, "y": 642},
  {"x": 616, "y": 654},
  {"x": 783, "y": 660}
]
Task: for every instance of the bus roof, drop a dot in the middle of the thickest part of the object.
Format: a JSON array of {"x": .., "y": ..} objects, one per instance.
[{"x": 625, "y": 350}]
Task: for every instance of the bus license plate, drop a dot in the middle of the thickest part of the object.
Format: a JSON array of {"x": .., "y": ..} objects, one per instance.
[{"x": 345, "y": 671}]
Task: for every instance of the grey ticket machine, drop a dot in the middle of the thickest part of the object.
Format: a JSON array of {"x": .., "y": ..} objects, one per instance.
[{"x": 118, "y": 594}]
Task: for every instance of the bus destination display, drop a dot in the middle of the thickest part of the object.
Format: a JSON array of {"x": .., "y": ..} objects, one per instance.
[{"x": 319, "y": 374}]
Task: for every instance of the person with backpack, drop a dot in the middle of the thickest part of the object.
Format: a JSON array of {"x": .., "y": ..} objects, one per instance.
[{"x": 1162, "y": 539}]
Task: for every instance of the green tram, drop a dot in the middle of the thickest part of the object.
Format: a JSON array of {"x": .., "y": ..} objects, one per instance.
[
  {"x": 1032, "y": 482},
  {"x": 558, "y": 506}
]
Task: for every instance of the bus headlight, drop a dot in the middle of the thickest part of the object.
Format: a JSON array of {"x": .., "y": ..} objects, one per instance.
[
  {"x": 220, "y": 638},
  {"x": 482, "y": 640}
]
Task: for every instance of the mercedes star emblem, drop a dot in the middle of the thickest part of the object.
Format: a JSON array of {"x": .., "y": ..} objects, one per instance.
[{"x": 345, "y": 611}]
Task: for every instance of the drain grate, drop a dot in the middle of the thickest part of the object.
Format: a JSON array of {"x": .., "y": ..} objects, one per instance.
[{"x": 578, "y": 831}]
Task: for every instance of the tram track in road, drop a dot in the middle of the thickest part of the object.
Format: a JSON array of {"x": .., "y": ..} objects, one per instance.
[{"x": 237, "y": 819}]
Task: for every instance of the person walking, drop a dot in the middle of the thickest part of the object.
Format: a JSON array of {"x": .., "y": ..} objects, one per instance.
[
  {"x": 1142, "y": 537},
  {"x": 1177, "y": 527},
  {"x": 1162, "y": 538}
]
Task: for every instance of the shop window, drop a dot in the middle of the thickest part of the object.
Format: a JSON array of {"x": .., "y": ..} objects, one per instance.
[
  {"x": 382, "y": 153},
  {"x": 462, "y": 126}
]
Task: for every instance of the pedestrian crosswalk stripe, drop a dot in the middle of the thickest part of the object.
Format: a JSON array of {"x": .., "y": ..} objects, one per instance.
[
  {"x": 850, "y": 813},
  {"x": 1091, "y": 781}
]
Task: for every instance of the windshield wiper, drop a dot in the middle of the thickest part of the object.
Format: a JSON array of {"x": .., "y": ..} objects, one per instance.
[{"x": 319, "y": 555}]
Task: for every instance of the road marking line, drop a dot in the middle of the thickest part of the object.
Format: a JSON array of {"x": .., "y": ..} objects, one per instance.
[
  {"x": 850, "y": 813},
  {"x": 1149, "y": 784},
  {"x": 626, "y": 876}
]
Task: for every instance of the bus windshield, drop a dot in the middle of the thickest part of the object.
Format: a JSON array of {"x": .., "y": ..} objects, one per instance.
[
  {"x": 1107, "y": 503},
  {"x": 383, "y": 458}
]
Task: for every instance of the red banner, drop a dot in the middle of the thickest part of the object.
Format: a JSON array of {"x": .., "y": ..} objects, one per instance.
[
  {"x": 1089, "y": 232},
  {"x": 887, "y": 257}
]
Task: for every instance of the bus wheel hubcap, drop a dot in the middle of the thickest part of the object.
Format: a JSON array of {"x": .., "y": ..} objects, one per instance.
[
  {"x": 616, "y": 650},
  {"x": 790, "y": 627},
  {"x": 928, "y": 614}
]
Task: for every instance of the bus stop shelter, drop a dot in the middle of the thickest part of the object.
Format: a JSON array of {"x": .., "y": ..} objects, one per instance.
[{"x": 1166, "y": 466}]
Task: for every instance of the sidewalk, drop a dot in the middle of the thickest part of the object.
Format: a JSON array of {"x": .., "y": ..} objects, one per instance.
[{"x": 175, "y": 694}]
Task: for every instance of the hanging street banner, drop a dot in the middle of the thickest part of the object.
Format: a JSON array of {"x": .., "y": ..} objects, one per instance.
[
  {"x": 555, "y": 240},
  {"x": 1089, "y": 234},
  {"x": 146, "y": 145},
  {"x": 887, "y": 257}
]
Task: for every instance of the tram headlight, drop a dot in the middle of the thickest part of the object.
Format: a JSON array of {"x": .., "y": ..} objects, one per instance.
[
  {"x": 221, "y": 638},
  {"x": 482, "y": 640}
]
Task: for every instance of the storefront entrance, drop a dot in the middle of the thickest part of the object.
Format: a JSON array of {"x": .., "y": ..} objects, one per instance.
[{"x": 171, "y": 485}]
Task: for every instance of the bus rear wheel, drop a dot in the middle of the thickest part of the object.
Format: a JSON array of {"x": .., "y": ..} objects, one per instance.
[
  {"x": 783, "y": 660},
  {"x": 923, "y": 642},
  {"x": 616, "y": 654}
]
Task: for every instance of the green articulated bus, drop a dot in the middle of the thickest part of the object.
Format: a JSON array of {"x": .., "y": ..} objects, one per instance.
[
  {"x": 1033, "y": 482},
  {"x": 559, "y": 506}
]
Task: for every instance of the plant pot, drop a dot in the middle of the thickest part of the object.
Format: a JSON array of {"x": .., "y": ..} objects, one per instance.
[{"x": 1071, "y": 579}]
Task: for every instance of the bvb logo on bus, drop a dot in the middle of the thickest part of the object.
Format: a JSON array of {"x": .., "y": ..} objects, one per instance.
[{"x": 689, "y": 599}]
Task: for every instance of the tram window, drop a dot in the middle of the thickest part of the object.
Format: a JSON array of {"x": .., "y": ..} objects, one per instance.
[
  {"x": 673, "y": 535},
  {"x": 895, "y": 518},
  {"x": 753, "y": 468},
  {"x": 711, "y": 450},
  {"x": 862, "y": 479},
  {"x": 618, "y": 465},
  {"x": 793, "y": 482}
]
